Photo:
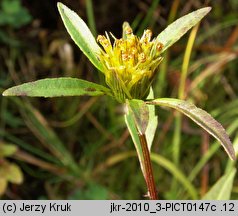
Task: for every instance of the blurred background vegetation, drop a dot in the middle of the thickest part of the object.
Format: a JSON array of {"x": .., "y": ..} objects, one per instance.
[{"x": 79, "y": 148}]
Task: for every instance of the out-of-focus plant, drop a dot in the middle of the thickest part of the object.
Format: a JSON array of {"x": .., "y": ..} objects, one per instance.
[
  {"x": 12, "y": 15},
  {"x": 129, "y": 65},
  {"x": 9, "y": 172}
]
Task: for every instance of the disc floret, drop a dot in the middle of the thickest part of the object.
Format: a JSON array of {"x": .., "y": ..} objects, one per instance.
[{"x": 130, "y": 63}]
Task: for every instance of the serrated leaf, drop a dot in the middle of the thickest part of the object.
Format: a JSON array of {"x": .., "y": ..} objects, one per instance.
[
  {"x": 179, "y": 27},
  {"x": 57, "y": 87},
  {"x": 80, "y": 34},
  {"x": 221, "y": 190},
  {"x": 200, "y": 117}
]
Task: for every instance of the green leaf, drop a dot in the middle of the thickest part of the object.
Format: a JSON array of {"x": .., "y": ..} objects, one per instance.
[
  {"x": 221, "y": 190},
  {"x": 80, "y": 34},
  {"x": 140, "y": 118},
  {"x": 179, "y": 27},
  {"x": 131, "y": 125},
  {"x": 200, "y": 117},
  {"x": 140, "y": 112},
  {"x": 57, "y": 87},
  {"x": 153, "y": 122},
  {"x": 157, "y": 159}
]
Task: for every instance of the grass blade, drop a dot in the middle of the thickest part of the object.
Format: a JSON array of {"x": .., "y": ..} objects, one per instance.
[
  {"x": 158, "y": 160},
  {"x": 176, "y": 172},
  {"x": 221, "y": 190}
]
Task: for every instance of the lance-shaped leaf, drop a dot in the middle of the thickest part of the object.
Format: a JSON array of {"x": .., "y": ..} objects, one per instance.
[
  {"x": 140, "y": 119},
  {"x": 80, "y": 34},
  {"x": 137, "y": 118},
  {"x": 131, "y": 125},
  {"x": 57, "y": 87},
  {"x": 153, "y": 122},
  {"x": 178, "y": 28},
  {"x": 202, "y": 118},
  {"x": 140, "y": 112}
]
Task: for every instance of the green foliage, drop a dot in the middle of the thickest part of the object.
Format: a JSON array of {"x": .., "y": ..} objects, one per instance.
[
  {"x": 93, "y": 191},
  {"x": 178, "y": 174},
  {"x": 153, "y": 122},
  {"x": 178, "y": 28},
  {"x": 140, "y": 112},
  {"x": 131, "y": 125},
  {"x": 81, "y": 34},
  {"x": 13, "y": 14},
  {"x": 57, "y": 87},
  {"x": 77, "y": 147},
  {"x": 221, "y": 190},
  {"x": 202, "y": 118}
]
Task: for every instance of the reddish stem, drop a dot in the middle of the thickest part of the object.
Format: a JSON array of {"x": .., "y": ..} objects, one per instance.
[{"x": 149, "y": 177}]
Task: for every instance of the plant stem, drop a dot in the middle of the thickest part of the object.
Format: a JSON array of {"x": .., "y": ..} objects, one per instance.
[{"x": 149, "y": 177}]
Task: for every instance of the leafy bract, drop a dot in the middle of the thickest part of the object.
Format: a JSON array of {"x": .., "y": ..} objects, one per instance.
[
  {"x": 153, "y": 122},
  {"x": 202, "y": 118},
  {"x": 179, "y": 27},
  {"x": 141, "y": 119},
  {"x": 140, "y": 112},
  {"x": 57, "y": 87},
  {"x": 221, "y": 190},
  {"x": 80, "y": 34},
  {"x": 132, "y": 126}
]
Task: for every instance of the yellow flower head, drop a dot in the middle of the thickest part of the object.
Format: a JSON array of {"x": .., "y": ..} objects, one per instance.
[{"x": 130, "y": 63}]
